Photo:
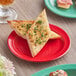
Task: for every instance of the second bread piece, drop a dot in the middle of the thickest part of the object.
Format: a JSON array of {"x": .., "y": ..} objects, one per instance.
[
  {"x": 38, "y": 34},
  {"x": 21, "y": 27}
]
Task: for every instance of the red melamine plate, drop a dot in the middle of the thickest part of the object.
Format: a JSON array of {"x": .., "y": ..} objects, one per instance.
[{"x": 54, "y": 49}]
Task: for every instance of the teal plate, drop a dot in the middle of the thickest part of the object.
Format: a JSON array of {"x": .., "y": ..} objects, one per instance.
[
  {"x": 69, "y": 68},
  {"x": 52, "y": 5}
]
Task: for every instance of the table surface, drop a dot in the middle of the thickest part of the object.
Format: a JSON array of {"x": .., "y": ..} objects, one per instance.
[{"x": 29, "y": 10}]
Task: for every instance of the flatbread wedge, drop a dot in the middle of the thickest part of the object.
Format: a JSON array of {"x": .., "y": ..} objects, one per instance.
[
  {"x": 38, "y": 34},
  {"x": 54, "y": 35},
  {"x": 21, "y": 27}
]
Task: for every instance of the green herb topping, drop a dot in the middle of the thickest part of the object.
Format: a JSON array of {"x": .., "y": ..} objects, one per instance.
[
  {"x": 24, "y": 33},
  {"x": 38, "y": 40},
  {"x": 34, "y": 31},
  {"x": 39, "y": 22},
  {"x": 23, "y": 25},
  {"x": 42, "y": 35},
  {"x": 36, "y": 28},
  {"x": 41, "y": 27},
  {"x": 30, "y": 34},
  {"x": 28, "y": 26}
]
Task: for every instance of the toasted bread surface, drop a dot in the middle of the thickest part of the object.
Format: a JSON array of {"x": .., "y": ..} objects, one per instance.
[
  {"x": 21, "y": 27},
  {"x": 38, "y": 34}
]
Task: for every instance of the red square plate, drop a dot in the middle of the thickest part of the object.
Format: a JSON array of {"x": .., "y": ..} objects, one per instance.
[{"x": 54, "y": 49}]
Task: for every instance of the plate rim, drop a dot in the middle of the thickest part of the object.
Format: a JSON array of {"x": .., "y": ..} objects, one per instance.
[
  {"x": 62, "y": 66},
  {"x": 51, "y": 9},
  {"x": 18, "y": 56}
]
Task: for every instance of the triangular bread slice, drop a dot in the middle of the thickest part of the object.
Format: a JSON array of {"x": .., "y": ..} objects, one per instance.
[
  {"x": 38, "y": 34},
  {"x": 21, "y": 27},
  {"x": 54, "y": 35}
]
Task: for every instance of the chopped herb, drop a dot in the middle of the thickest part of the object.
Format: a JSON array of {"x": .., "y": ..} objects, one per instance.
[
  {"x": 35, "y": 34},
  {"x": 23, "y": 25},
  {"x": 34, "y": 31},
  {"x": 39, "y": 22},
  {"x": 28, "y": 26},
  {"x": 30, "y": 34},
  {"x": 44, "y": 41},
  {"x": 36, "y": 41},
  {"x": 45, "y": 36},
  {"x": 41, "y": 27},
  {"x": 40, "y": 30},
  {"x": 42, "y": 35},
  {"x": 45, "y": 30},
  {"x": 39, "y": 41},
  {"x": 35, "y": 28},
  {"x": 24, "y": 33}
]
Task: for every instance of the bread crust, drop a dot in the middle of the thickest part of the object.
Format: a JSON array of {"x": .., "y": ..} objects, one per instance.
[{"x": 16, "y": 25}]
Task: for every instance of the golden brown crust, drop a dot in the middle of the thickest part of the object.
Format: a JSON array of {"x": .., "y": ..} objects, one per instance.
[
  {"x": 38, "y": 34},
  {"x": 15, "y": 23},
  {"x": 21, "y": 27}
]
